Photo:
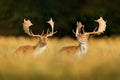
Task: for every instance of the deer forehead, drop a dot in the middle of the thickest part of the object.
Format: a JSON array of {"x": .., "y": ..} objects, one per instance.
[
  {"x": 43, "y": 38},
  {"x": 82, "y": 35}
]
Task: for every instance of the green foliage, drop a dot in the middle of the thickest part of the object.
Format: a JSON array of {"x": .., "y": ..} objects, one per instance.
[{"x": 65, "y": 14}]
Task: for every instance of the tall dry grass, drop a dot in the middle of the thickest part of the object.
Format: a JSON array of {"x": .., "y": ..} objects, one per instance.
[{"x": 101, "y": 62}]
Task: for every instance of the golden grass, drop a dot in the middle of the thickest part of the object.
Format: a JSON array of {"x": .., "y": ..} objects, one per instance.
[{"x": 101, "y": 62}]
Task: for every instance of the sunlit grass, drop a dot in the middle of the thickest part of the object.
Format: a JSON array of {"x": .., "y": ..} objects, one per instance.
[{"x": 101, "y": 62}]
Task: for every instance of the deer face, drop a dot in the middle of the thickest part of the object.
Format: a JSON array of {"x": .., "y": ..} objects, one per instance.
[
  {"x": 82, "y": 37},
  {"x": 43, "y": 40}
]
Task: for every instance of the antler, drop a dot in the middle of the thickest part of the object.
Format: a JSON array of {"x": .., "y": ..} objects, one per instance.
[
  {"x": 26, "y": 25},
  {"x": 51, "y": 22},
  {"x": 78, "y": 29},
  {"x": 101, "y": 28}
]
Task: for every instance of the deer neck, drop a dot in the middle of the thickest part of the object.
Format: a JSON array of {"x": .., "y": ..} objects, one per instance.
[
  {"x": 83, "y": 47},
  {"x": 39, "y": 48},
  {"x": 40, "y": 44}
]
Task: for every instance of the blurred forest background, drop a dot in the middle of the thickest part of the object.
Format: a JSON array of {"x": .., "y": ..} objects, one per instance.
[{"x": 65, "y": 13}]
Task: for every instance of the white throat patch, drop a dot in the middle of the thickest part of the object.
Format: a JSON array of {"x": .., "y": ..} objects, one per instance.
[
  {"x": 39, "y": 51},
  {"x": 83, "y": 47}
]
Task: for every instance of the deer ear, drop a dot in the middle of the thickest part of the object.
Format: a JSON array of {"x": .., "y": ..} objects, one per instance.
[{"x": 39, "y": 38}]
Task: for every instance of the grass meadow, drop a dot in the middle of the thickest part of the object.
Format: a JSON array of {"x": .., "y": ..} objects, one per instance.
[{"x": 102, "y": 61}]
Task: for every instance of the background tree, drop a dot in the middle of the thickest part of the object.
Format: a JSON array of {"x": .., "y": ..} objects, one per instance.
[{"x": 65, "y": 14}]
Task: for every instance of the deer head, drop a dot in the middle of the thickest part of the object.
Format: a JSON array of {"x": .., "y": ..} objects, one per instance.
[
  {"x": 43, "y": 37},
  {"x": 80, "y": 33}
]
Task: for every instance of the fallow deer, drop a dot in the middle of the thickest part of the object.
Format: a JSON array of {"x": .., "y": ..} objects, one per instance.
[
  {"x": 82, "y": 37},
  {"x": 41, "y": 44}
]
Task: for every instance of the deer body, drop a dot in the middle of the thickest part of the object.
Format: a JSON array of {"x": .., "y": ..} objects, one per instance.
[
  {"x": 40, "y": 47},
  {"x": 78, "y": 50},
  {"x": 82, "y": 38}
]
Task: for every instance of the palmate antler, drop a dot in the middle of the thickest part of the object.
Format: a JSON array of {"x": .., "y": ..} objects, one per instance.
[
  {"x": 101, "y": 28},
  {"x": 51, "y": 22},
  {"x": 27, "y": 24},
  {"x": 78, "y": 29}
]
